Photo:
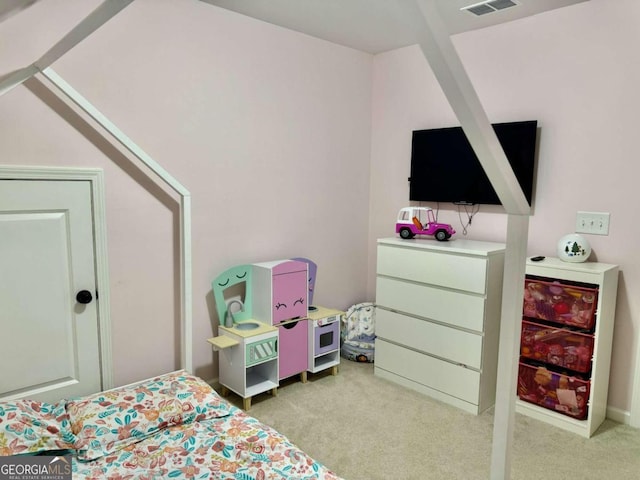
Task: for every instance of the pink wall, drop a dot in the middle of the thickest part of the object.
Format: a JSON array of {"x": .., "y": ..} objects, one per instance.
[
  {"x": 268, "y": 129},
  {"x": 285, "y": 143},
  {"x": 575, "y": 70}
]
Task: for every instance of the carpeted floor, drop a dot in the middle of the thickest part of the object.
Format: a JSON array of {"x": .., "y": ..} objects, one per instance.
[{"x": 366, "y": 428}]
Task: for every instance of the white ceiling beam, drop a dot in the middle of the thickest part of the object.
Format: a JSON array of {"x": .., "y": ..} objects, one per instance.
[
  {"x": 15, "y": 78},
  {"x": 440, "y": 52},
  {"x": 504, "y": 417},
  {"x": 101, "y": 15}
]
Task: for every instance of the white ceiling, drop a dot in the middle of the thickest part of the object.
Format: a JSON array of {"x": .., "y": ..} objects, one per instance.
[
  {"x": 372, "y": 26},
  {"x": 11, "y": 7},
  {"x": 376, "y": 26}
]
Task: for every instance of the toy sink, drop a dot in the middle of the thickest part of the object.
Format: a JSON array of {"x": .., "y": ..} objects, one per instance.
[
  {"x": 247, "y": 328},
  {"x": 248, "y": 325},
  {"x": 231, "y": 336}
]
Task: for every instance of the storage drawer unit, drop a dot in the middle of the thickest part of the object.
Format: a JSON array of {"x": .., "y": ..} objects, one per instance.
[
  {"x": 589, "y": 291},
  {"x": 438, "y": 318}
]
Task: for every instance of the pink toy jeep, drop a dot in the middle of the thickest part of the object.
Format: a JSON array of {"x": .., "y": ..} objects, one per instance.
[{"x": 414, "y": 221}]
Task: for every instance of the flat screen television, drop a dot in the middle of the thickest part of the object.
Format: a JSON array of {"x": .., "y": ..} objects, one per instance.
[{"x": 444, "y": 167}]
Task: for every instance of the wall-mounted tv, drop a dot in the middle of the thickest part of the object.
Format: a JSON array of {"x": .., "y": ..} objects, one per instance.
[{"x": 444, "y": 167}]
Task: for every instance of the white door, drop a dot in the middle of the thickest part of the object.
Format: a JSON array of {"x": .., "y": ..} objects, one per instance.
[{"x": 49, "y": 345}]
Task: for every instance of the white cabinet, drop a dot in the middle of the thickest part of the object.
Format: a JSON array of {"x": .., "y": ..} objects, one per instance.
[
  {"x": 248, "y": 349},
  {"x": 248, "y": 360},
  {"x": 564, "y": 382},
  {"x": 438, "y": 318}
]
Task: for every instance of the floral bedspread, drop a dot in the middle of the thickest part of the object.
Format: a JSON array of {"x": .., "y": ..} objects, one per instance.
[{"x": 236, "y": 446}]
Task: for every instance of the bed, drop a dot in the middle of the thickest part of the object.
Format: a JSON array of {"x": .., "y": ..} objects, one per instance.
[{"x": 172, "y": 426}]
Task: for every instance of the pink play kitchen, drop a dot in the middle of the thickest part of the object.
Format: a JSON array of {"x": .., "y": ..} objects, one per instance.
[
  {"x": 281, "y": 299},
  {"x": 265, "y": 333}
]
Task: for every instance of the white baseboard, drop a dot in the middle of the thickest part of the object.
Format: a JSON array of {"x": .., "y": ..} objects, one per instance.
[
  {"x": 213, "y": 382},
  {"x": 618, "y": 415}
]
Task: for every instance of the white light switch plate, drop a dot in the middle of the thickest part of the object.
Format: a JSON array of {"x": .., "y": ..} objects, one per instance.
[{"x": 595, "y": 223}]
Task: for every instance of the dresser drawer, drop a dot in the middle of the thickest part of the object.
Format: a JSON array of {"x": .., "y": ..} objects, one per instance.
[
  {"x": 455, "y": 345},
  {"x": 446, "y": 306},
  {"x": 445, "y": 377},
  {"x": 446, "y": 270}
]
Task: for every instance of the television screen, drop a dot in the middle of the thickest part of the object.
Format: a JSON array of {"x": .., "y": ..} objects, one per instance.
[{"x": 444, "y": 167}]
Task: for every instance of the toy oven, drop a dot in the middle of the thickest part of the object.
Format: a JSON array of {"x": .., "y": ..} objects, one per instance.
[{"x": 326, "y": 335}]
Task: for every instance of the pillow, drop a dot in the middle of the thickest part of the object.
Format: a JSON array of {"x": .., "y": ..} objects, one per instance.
[
  {"x": 29, "y": 427},
  {"x": 109, "y": 421}
]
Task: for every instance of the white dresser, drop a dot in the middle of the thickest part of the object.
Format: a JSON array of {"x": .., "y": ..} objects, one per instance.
[{"x": 438, "y": 318}]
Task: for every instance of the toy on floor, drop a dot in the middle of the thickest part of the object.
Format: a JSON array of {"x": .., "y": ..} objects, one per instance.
[{"x": 358, "y": 333}]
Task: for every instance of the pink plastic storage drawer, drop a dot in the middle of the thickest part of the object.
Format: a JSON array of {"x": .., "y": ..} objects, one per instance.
[
  {"x": 556, "y": 346},
  {"x": 555, "y": 391},
  {"x": 560, "y": 303}
]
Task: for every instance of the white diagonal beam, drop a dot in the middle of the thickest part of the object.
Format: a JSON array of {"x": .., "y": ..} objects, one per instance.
[
  {"x": 509, "y": 346},
  {"x": 15, "y": 78},
  {"x": 185, "y": 207},
  {"x": 101, "y": 15},
  {"x": 440, "y": 52},
  {"x": 107, "y": 10}
]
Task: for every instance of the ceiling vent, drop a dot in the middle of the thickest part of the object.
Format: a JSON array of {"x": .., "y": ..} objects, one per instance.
[{"x": 489, "y": 6}]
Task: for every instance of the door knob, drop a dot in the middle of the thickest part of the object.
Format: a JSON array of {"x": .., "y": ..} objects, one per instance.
[{"x": 84, "y": 296}]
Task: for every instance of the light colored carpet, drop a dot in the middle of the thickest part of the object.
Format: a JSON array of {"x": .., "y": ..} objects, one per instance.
[{"x": 366, "y": 428}]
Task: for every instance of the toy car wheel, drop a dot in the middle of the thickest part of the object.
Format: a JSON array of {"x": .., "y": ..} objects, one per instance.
[
  {"x": 406, "y": 233},
  {"x": 441, "y": 235}
]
